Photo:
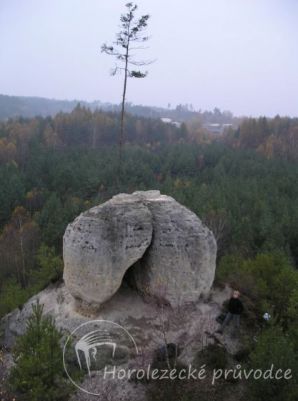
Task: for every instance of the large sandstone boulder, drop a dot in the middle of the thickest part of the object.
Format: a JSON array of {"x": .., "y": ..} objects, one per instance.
[
  {"x": 101, "y": 244},
  {"x": 170, "y": 252},
  {"x": 179, "y": 265}
]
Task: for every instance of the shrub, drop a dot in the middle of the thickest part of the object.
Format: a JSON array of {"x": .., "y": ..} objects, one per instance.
[
  {"x": 267, "y": 283},
  {"x": 273, "y": 347},
  {"x": 214, "y": 356},
  {"x": 38, "y": 374}
]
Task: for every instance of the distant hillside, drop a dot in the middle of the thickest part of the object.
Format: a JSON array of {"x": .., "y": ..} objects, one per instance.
[{"x": 19, "y": 106}]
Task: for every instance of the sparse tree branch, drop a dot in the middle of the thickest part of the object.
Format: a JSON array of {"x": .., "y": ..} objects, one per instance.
[
  {"x": 132, "y": 30},
  {"x": 141, "y": 63},
  {"x": 139, "y": 48}
]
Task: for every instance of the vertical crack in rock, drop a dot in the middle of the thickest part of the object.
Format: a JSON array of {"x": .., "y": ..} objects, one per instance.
[
  {"x": 179, "y": 265},
  {"x": 175, "y": 252}
]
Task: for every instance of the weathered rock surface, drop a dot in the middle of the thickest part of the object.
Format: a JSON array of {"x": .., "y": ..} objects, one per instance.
[
  {"x": 179, "y": 265},
  {"x": 101, "y": 244},
  {"x": 172, "y": 254},
  {"x": 187, "y": 326}
]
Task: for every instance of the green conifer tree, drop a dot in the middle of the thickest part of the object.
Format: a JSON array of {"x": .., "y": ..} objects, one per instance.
[{"x": 38, "y": 374}]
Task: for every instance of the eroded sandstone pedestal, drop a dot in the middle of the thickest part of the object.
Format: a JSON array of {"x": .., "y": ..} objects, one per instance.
[{"x": 171, "y": 253}]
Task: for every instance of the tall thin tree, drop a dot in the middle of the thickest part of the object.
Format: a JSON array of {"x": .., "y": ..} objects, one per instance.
[{"x": 131, "y": 34}]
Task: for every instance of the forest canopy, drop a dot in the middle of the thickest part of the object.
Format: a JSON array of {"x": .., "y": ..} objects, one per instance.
[{"x": 242, "y": 184}]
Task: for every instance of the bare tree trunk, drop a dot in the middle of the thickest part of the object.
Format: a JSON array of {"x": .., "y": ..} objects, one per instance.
[
  {"x": 93, "y": 145},
  {"x": 164, "y": 334},
  {"x": 22, "y": 254},
  {"x": 19, "y": 280},
  {"x": 130, "y": 32},
  {"x": 121, "y": 138}
]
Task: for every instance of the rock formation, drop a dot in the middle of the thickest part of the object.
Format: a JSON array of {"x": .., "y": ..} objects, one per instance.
[
  {"x": 170, "y": 252},
  {"x": 101, "y": 244},
  {"x": 166, "y": 252},
  {"x": 179, "y": 264}
]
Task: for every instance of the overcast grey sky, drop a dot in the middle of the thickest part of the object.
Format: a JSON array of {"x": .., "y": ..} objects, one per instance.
[{"x": 238, "y": 55}]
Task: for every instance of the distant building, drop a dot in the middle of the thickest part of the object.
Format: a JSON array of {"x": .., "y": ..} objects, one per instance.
[
  {"x": 167, "y": 120},
  {"x": 216, "y": 128}
]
